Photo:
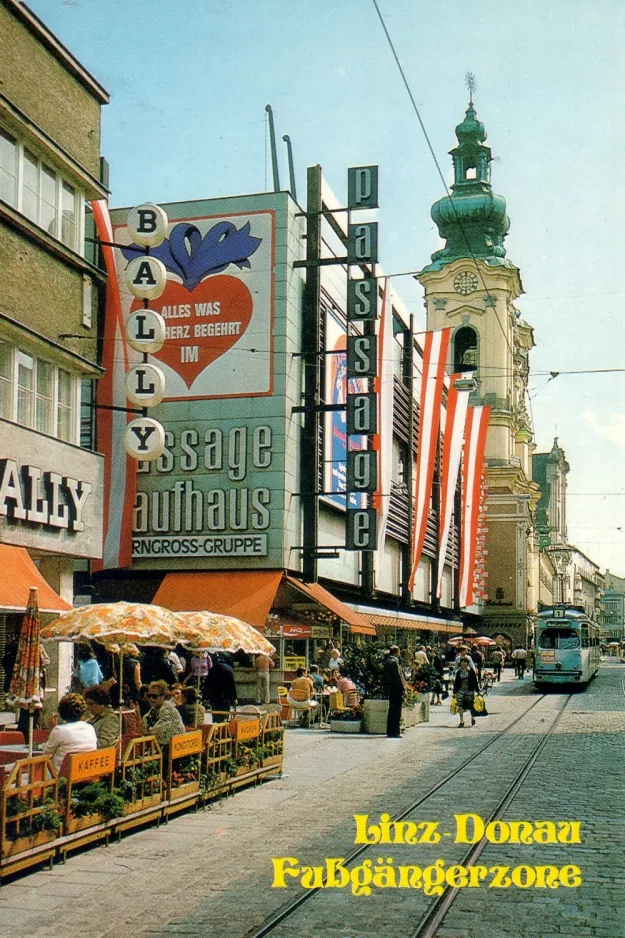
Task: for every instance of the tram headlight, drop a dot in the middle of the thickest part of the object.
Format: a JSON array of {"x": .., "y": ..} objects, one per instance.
[{"x": 559, "y": 666}]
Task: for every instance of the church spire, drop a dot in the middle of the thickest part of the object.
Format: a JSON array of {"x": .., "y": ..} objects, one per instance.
[{"x": 473, "y": 220}]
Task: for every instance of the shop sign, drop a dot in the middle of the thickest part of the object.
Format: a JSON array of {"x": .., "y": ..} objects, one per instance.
[
  {"x": 293, "y": 662},
  {"x": 84, "y": 765},
  {"x": 187, "y": 744},
  {"x": 291, "y": 630},
  {"x": 227, "y": 545},
  {"x": 215, "y": 276},
  {"x": 244, "y": 729},
  {"x": 320, "y": 631},
  {"x": 33, "y": 496}
]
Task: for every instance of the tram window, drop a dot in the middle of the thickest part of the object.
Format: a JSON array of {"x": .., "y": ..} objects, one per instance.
[
  {"x": 585, "y": 642},
  {"x": 558, "y": 638}
]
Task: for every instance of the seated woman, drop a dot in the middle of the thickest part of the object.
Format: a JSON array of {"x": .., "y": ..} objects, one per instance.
[
  {"x": 300, "y": 695},
  {"x": 191, "y": 711},
  {"x": 103, "y": 718},
  {"x": 162, "y": 719},
  {"x": 348, "y": 690},
  {"x": 73, "y": 734},
  {"x": 132, "y": 723}
]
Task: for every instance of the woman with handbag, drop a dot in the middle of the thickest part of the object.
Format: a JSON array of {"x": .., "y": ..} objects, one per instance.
[{"x": 465, "y": 689}]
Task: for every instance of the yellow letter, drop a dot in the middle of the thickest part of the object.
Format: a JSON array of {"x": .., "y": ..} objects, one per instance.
[
  {"x": 569, "y": 832},
  {"x": 279, "y": 870},
  {"x": 457, "y": 877},
  {"x": 547, "y": 877},
  {"x": 497, "y": 832},
  {"x": 312, "y": 877},
  {"x": 334, "y": 865},
  {"x": 524, "y": 876},
  {"x": 477, "y": 873},
  {"x": 462, "y": 836},
  {"x": 571, "y": 876},
  {"x": 545, "y": 832},
  {"x": 410, "y": 876},
  {"x": 521, "y": 832},
  {"x": 363, "y": 832}
]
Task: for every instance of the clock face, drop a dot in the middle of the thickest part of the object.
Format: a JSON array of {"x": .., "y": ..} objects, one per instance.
[{"x": 465, "y": 282}]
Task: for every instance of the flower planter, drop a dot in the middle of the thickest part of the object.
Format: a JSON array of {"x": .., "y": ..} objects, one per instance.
[
  {"x": 181, "y": 791},
  {"x": 375, "y": 713},
  {"x": 246, "y": 769},
  {"x": 131, "y": 807},
  {"x": 12, "y": 847},
  {"x": 345, "y": 726},
  {"x": 272, "y": 760},
  {"x": 74, "y": 824}
]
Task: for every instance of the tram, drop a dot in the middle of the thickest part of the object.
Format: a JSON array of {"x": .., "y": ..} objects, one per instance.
[{"x": 566, "y": 647}]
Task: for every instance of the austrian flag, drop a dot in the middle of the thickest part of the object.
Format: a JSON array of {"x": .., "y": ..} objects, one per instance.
[{"x": 472, "y": 469}]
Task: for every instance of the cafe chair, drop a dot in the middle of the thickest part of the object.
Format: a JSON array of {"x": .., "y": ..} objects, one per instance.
[
  {"x": 286, "y": 712},
  {"x": 303, "y": 707},
  {"x": 41, "y": 736},
  {"x": 11, "y": 738}
]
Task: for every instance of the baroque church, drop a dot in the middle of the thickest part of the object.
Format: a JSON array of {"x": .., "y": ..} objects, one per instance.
[{"x": 471, "y": 286}]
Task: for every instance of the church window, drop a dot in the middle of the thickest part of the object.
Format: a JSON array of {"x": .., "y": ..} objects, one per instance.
[{"x": 465, "y": 350}]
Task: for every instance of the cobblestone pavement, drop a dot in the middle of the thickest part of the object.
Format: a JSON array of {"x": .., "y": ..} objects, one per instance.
[{"x": 209, "y": 874}]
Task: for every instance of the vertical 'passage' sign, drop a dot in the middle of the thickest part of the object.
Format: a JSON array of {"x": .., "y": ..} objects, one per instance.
[{"x": 362, "y": 357}]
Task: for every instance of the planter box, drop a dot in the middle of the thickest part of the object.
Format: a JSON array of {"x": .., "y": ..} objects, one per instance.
[
  {"x": 12, "y": 847},
  {"x": 376, "y": 711},
  {"x": 181, "y": 791},
  {"x": 272, "y": 760},
  {"x": 246, "y": 769},
  {"x": 345, "y": 726},
  {"x": 131, "y": 807},
  {"x": 74, "y": 824}
]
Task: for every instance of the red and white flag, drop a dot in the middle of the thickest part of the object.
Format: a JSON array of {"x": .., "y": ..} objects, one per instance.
[
  {"x": 455, "y": 420},
  {"x": 472, "y": 468},
  {"x": 432, "y": 381},
  {"x": 383, "y": 440},
  {"x": 119, "y": 468}
]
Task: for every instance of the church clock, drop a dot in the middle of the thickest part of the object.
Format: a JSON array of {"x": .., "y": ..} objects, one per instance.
[{"x": 465, "y": 282}]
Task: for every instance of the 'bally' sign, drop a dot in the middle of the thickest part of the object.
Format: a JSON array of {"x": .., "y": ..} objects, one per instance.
[{"x": 146, "y": 278}]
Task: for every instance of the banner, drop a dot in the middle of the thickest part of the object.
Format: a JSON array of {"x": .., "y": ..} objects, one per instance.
[
  {"x": 455, "y": 420},
  {"x": 473, "y": 458},
  {"x": 383, "y": 440},
  {"x": 432, "y": 380},
  {"x": 119, "y": 468}
]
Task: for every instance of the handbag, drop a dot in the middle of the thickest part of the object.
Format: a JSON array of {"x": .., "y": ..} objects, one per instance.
[
  {"x": 453, "y": 706},
  {"x": 479, "y": 704}
]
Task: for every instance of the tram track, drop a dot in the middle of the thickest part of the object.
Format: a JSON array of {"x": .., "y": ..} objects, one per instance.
[{"x": 433, "y": 916}]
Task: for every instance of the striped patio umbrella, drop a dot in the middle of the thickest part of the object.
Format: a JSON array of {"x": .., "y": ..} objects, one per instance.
[{"x": 25, "y": 688}]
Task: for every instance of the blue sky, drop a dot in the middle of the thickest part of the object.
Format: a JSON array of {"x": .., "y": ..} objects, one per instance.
[{"x": 189, "y": 81}]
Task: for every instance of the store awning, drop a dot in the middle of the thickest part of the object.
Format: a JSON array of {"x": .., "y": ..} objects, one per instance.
[
  {"x": 323, "y": 597},
  {"x": 386, "y": 619},
  {"x": 246, "y": 594},
  {"x": 18, "y": 574}
]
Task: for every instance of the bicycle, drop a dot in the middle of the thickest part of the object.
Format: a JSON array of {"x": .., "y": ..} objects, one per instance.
[{"x": 488, "y": 680}]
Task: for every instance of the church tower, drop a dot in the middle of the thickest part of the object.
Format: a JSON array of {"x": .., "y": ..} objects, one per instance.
[{"x": 471, "y": 287}]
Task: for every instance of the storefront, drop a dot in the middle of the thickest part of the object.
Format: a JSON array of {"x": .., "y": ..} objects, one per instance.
[{"x": 50, "y": 514}]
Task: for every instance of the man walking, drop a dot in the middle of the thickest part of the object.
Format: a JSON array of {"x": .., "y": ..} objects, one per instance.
[
  {"x": 262, "y": 665},
  {"x": 395, "y": 686},
  {"x": 518, "y": 656},
  {"x": 497, "y": 660}
]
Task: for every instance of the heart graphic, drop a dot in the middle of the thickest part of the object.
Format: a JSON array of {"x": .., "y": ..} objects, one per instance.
[{"x": 202, "y": 323}]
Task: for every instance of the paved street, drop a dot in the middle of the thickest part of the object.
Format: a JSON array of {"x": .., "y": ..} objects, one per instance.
[{"x": 209, "y": 874}]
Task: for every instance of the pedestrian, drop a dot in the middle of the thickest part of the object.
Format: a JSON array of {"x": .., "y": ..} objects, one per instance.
[
  {"x": 263, "y": 665},
  {"x": 87, "y": 672},
  {"x": 395, "y": 682},
  {"x": 439, "y": 687},
  {"x": 497, "y": 659},
  {"x": 478, "y": 660},
  {"x": 335, "y": 662},
  {"x": 465, "y": 689},
  {"x": 463, "y": 652},
  {"x": 164, "y": 668},
  {"x": 221, "y": 689},
  {"x": 131, "y": 672},
  {"x": 519, "y": 656},
  {"x": 420, "y": 657}
]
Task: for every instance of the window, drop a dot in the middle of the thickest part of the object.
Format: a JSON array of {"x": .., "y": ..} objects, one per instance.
[
  {"x": 8, "y": 168},
  {"x": 563, "y": 639},
  {"x": 39, "y": 192},
  {"x": 37, "y": 394},
  {"x": 465, "y": 350},
  {"x": 6, "y": 380}
]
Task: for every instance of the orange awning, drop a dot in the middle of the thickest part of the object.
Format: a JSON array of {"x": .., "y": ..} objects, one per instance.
[
  {"x": 246, "y": 594},
  {"x": 18, "y": 574},
  {"x": 356, "y": 622},
  {"x": 411, "y": 624}
]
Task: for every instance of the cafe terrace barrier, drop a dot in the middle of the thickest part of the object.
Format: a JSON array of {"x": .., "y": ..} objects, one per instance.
[{"x": 44, "y": 815}]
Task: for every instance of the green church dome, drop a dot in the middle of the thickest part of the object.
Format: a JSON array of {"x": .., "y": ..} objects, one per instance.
[{"x": 473, "y": 219}]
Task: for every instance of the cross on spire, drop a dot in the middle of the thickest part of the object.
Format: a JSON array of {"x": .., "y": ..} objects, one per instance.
[{"x": 471, "y": 85}]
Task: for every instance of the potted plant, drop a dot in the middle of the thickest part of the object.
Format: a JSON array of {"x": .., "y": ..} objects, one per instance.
[
  {"x": 346, "y": 721},
  {"x": 364, "y": 664}
]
